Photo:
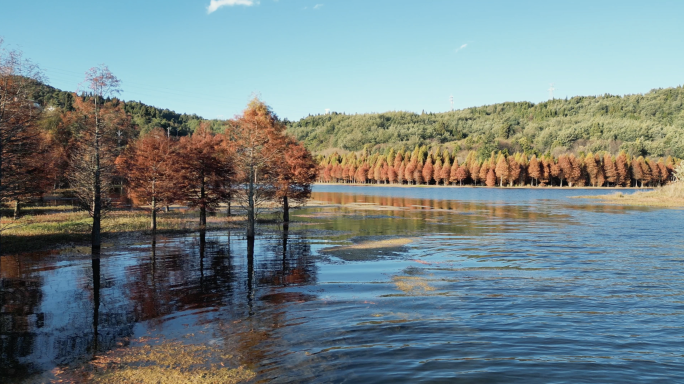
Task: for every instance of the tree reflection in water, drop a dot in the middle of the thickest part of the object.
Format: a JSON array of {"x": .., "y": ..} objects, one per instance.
[{"x": 61, "y": 309}]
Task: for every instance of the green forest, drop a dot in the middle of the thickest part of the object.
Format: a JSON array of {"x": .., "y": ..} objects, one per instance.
[{"x": 640, "y": 125}]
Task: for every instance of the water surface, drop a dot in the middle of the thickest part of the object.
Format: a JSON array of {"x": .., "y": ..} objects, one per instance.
[{"x": 523, "y": 285}]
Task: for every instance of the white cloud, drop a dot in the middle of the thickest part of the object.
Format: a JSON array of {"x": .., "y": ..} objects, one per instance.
[
  {"x": 461, "y": 47},
  {"x": 216, "y": 4},
  {"x": 318, "y": 6}
]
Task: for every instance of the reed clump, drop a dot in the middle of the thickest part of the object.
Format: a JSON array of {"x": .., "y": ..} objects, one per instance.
[{"x": 671, "y": 195}]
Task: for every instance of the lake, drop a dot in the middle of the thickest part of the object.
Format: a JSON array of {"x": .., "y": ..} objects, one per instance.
[{"x": 377, "y": 284}]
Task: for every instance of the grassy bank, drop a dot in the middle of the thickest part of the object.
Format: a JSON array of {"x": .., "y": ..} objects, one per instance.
[
  {"x": 668, "y": 196},
  {"x": 56, "y": 227}
]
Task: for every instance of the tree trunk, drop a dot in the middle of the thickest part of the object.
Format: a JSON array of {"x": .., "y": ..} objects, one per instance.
[
  {"x": 96, "y": 240},
  {"x": 203, "y": 210},
  {"x": 203, "y": 217},
  {"x": 250, "y": 205},
  {"x": 17, "y": 207},
  {"x": 286, "y": 210},
  {"x": 230, "y": 197},
  {"x": 154, "y": 215}
]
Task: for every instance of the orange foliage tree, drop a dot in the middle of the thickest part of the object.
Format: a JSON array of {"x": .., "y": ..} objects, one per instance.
[
  {"x": 22, "y": 150},
  {"x": 205, "y": 172},
  {"x": 149, "y": 169},
  {"x": 257, "y": 137},
  {"x": 295, "y": 175}
]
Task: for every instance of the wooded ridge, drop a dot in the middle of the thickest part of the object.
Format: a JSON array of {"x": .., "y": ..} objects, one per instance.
[{"x": 651, "y": 124}]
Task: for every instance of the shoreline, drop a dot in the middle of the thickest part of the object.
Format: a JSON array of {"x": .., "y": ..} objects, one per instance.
[
  {"x": 669, "y": 196},
  {"x": 645, "y": 189}
]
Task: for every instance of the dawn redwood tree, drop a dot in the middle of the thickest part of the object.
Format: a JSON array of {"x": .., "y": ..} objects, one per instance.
[
  {"x": 592, "y": 168},
  {"x": 384, "y": 172},
  {"x": 437, "y": 171},
  {"x": 149, "y": 169},
  {"x": 534, "y": 169},
  {"x": 398, "y": 161},
  {"x": 523, "y": 162},
  {"x": 205, "y": 171},
  {"x": 610, "y": 170},
  {"x": 655, "y": 172},
  {"x": 22, "y": 150},
  {"x": 462, "y": 174},
  {"x": 663, "y": 174},
  {"x": 391, "y": 174},
  {"x": 490, "y": 181},
  {"x": 546, "y": 171},
  {"x": 484, "y": 171},
  {"x": 410, "y": 169},
  {"x": 418, "y": 173},
  {"x": 622, "y": 170},
  {"x": 501, "y": 169},
  {"x": 474, "y": 171},
  {"x": 428, "y": 170},
  {"x": 513, "y": 171},
  {"x": 400, "y": 172},
  {"x": 295, "y": 175},
  {"x": 446, "y": 170},
  {"x": 453, "y": 172},
  {"x": 579, "y": 172},
  {"x": 256, "y": 135},
  {"x": 92, "y": 161}
]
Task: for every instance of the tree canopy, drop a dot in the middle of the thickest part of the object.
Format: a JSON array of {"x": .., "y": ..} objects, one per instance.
[{"x": 650, "y": 124}]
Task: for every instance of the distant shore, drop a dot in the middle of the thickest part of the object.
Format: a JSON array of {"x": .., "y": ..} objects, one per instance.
[
  {"x": 555, "y": 187},
  {"x": 671, "y": 195}
]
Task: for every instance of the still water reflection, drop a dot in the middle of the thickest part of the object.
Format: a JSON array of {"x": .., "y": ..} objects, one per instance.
[{"x": 480, "y": 285}]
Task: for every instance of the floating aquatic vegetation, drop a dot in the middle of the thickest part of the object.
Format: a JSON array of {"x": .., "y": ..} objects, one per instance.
[{"x": 167, "y": 362}]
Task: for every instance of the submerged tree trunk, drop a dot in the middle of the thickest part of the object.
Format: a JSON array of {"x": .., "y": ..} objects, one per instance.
[
  {"x": 203, "y": 210},
  {"x": 250, "y": 205},
  {"x": 286, "y": 210},
  {"x": 95, "y": 259}
]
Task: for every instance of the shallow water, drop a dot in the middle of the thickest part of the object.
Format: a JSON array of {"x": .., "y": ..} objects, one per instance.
[{"x": 521, "y": 285}]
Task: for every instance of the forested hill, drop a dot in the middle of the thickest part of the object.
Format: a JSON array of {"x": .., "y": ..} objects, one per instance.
[
  {"x": 650, "y": 124},
  {"x": 143, "y": 116}
]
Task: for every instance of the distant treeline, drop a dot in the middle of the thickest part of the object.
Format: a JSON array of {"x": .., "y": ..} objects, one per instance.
[
  {"x": 436, "y": 166},
  {"x": 640, "y": 125}
]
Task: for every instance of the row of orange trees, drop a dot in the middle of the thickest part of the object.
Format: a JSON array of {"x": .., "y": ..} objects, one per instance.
[
  {"x": 433, "y": 166},
  {"x": 252, "y": 162},
  {"x": 92, "y": 147}
]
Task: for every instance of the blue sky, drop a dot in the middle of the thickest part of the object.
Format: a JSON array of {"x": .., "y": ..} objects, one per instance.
[{"x": 305, "y": 56}]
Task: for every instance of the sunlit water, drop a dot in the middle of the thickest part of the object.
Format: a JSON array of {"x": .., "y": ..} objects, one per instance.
[{"x": 517, "y": 285}]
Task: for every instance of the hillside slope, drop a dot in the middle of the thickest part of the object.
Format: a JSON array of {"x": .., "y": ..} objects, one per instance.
[{"x": 650, "y": 124}]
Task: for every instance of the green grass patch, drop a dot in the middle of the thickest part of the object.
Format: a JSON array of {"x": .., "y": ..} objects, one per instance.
[{"x": 33, "y": 232}]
